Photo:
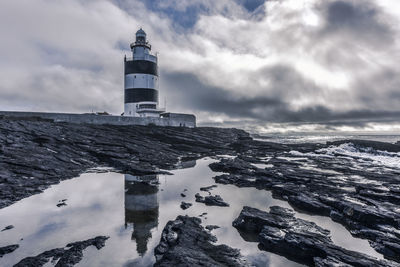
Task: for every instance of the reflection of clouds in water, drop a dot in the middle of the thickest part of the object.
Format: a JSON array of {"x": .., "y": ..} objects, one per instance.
[
  {"x": 48, "y": 229},
  {"x": 94, "y": 207}
]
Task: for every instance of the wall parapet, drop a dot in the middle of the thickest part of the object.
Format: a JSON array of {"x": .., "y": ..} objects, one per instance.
[{"x": 173, "y": 119}]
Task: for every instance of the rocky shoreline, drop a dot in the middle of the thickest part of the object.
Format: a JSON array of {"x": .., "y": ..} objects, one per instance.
[
  {"x": 278, "y": 231},
  {"x": 184, "y": 242},
  {"x": 341, "y": 180},
  {"x": 337, "y": 180},
  {"x": 37, "y": 154},
  {"x": 63, "y": 257}
]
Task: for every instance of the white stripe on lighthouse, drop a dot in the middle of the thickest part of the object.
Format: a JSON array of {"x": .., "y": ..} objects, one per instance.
[{"x": 137, "y": 80}]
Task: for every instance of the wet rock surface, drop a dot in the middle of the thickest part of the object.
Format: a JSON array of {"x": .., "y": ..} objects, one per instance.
[
  {"x": 278, "y": 231},
  {"x": 212, "y": 227},
  {"x": 59, "y": 151},
  {"x": 68, "y": 256},
  {"x": 8, "y": 249},
  {"x": 211, "y": 200},
  {"x": 353, "y": 182},
  {"x": 208, "y": 188},
  {"x": 61, "y": 203},
  {"x": 184, "y": 242},
  {"x": 8, "y": 227},
  {"x": 185, "y": 205}
]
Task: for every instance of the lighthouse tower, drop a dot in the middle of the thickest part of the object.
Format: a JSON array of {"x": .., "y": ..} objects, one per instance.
[{"x": 141, "y": 80}]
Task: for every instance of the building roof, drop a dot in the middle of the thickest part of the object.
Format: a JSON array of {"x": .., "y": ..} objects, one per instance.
[{"x": 140, "y": 32}]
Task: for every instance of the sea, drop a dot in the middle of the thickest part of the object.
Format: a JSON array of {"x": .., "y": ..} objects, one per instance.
[{"x": 323, "y": 137}]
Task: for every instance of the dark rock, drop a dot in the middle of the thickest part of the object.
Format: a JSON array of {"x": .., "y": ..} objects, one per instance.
[
  {"x": 185, "y": 205},
  {"x": 8, "y": 249},
  {"x": 208, "y": 188},
  {"x": 211, "y": 200},
  {"x": 68, "y": 256},
  {"x": 61, "y": 204},
  {"x": 212, "y": 227},
  {"x": 310, "y": 204},
  {"x": 232, "y": 165},
  {"x": 183, "y": 195},
  {"x": 299, "y": 240},
  {"x": 8, "y": 227},
  {"x": 184, "y": 242}
]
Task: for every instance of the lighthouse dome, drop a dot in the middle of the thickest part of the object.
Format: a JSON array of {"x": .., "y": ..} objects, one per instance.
[{"x": 140, "y": 32}]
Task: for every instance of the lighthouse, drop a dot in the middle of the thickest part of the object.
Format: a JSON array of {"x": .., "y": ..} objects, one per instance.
[{"x": 141, "y": 80}]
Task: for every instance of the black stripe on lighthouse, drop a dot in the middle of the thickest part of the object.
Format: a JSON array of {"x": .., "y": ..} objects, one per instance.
[
  {"x": 141, "y": 66},
  {"x": 134, "y": 95}
]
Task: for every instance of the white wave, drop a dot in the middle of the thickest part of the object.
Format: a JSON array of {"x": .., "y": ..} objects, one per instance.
[
  {"x": 350, "y": 151},
  {"x": 377, "y": 157}
]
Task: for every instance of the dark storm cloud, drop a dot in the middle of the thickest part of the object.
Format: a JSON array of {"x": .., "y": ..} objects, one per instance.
[
  {"x": 187, "y": 89},
  {"x": 361, "y": 20},
  {"x": 203, "y": 97}
]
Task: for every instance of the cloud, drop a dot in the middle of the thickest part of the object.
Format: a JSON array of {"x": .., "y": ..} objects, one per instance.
[
  {"x": 358, "y": 21},
  {"x": 201, "y": 96},
  {"x": 311, "y": 61}
]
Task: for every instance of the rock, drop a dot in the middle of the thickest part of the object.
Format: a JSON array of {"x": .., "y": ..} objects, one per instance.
[
  {"x": 306, "y": 203},
  {"x": 208, "y": 188},
  {"x": 280, "y": 232},
  {"x": 211, "y": 200},
  {"x": 232, "y": 165},
  {"x": 184, "y": 242},
  {"x": 61, "y": 203},
  {"x": 212, "y": 227},
  {"x": 8, "y": 249},
  {"x": 8, "y": 227},
  {"x": 65, "y": 257},
  {"x": 185, "y": 205},
  {"x": 183, "y": 195}
]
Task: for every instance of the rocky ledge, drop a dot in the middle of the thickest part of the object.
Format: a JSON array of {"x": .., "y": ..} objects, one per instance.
[
  {"x": 211, "y": 200},
  {"x": 184, "y": 242},
  {"x": 353, "y": 182},
  {"x": 63, "y": 257},
  {"x": 8, "y": 249},
  {"x": 278, "y": 231},
  {"x": 185, "y": 205}
]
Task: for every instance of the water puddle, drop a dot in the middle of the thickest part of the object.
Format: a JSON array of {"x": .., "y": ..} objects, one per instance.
[{"x": 133, "y": 212}]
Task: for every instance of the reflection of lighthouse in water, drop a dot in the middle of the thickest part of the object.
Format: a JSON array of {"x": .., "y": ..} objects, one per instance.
[{"x": 141, "y": 208}]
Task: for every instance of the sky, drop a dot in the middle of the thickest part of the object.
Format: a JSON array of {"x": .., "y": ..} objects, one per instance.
[{"x": 265, "y": 66}]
